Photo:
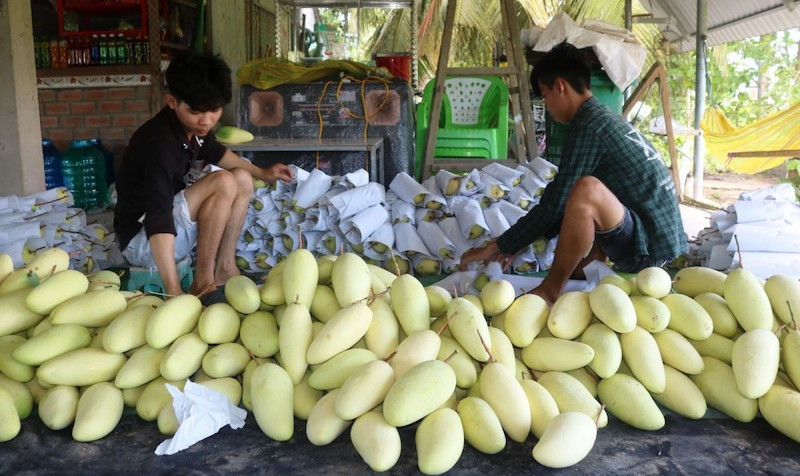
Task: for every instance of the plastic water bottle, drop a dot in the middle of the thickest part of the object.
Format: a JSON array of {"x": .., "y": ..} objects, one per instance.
[
  {"x": 95, "y": 141},
  {"x": 84, "y": 170},
  {"x": 52, "y": 165}
]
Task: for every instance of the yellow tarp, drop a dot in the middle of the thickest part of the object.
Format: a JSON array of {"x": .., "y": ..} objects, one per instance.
[
  {"x": 778, "y": 131},
  {"x": 267, "y": 73}
]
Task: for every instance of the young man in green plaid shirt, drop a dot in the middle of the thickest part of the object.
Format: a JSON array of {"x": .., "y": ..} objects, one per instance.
[{"x": 612, "y": 197}]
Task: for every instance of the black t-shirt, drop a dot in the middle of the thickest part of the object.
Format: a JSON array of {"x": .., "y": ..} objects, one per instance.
[{"x": 153, "y": 167}]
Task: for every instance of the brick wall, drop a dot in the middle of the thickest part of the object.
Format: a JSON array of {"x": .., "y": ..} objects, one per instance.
[{"x": 112, "y": 114}]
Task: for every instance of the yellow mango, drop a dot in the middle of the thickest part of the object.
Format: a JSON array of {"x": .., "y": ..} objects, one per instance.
[
  {"x": 420, "y": 391},
  {"x": 570, "y": 316},
  {"x": 271, "y": 292},
  {"x": 568, "y": 438},
  {"x": 790, "y": 356},
  {"x": 465, "y": 368},
  {"x": 259, "y": 334},
  {"x": 272, "y": 397},
  {"x": 524, "y": 319},
  {"x": 324, "y": 305},
  {"x": 571, "y": 395},
  {"x": 654, "y": 282},
  {"x": 16, "y": 315},
  {"x": 305, "y": 397},
  {"x": 183, "y": 357},
  {"x": 414, "y": 349},
  {"x": 698, "y": 280},
  {"x": 9, "y": 366},
  {"x": 19, "y": 279},
  {"x": 482, "y": 428},
  {"x": 364, "y": 389},
  {"x": 618, "y": 281},
  {"x": 81, "y": 368},
  {"x": 21, "y": 396},
  {"x": 174, "y": 318},
  {"x": 218, "y": 323},
  {"x": 681, "y": 395},
  {"x": 409, "y": 302},
  {"x": 144, "y": 300},
  {"x": 783, "y": 293},
  {"x": 469, "y": 328},
  {"x": 502, "y": 350},
  {"x": 294, "y": 339},
  {"x": 246, "y": 376},
  {"x": 350, "y": 279},
  {"x": 607, "y": 349},
  {"x": 228, "y": 386},
  {"x": 715, "y": 346},
  {"x": 440, "y": 441},
  {"x": 376, "y": 441},
  {"x": 613, "y": 307},
  {"x": 48, "y": 262},
  {"x": 725, "y": 324},
  {"x": 640, "y": 352},
  {"x": 340, "y": 333},
  {"x": 505, "y": 395},
  {"x": 719, "y": 387},
  {"x": 678, "y": 352},
  {"x": 131, "y": 395},
  {"x": 688, "y": 317},
  {"x": 225, "y": 360},
  {"x": 57, "y": 289},
  {"x": 9, "y": 419},
  {"x": 747, "y": 300},
  {"x": 167, "y": 422},
  {"x": 6, "y": 266},
  {"x": 300, "y": 277},
  {"x": 652, "y": 315},
  {"x": 332, "y": 374},
  {"x": 325, "y": 268},
  {"x": 128, "y": 330},
  {"x": 543, "y": 406},
  {"x": 243, "y": 294},
  {"x": 438, "y": 299},
  {"x": 93, "y": 309},
  {"x": 550, "y": 353},
  {"x": 780, "y": 406},
  {"x": 386, "y": 277},
  {"x": 586, "y": 378},
  {"x": 324, "y": 425},
  {"x": 496, "y": 296},
  {"x": 628, "y": 400},
  {"x": 383, "y": 334},
  {"x": 58, "y": 407},
  {"x": 105, "y": 279},
  {"x": 140, "y": 368},
  {"x": 755, "y": 359},
  {"x": 99, "y": 411}
]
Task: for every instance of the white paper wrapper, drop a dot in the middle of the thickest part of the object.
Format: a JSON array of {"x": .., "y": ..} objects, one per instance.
[
  {"x": 12, "y": 217},
  {"x": 353, "y": 201},
  {"x": 450, "y": 228},
  {"x": 19, "y": 231},
  {"x": 423, "y": 214},
  {"x": 764, "y": 210},
  {"x": 467, "y": 184},
  {"x": 506, "y": 175},
  {"x": 492, "y": 187},
  {"x": 522, "y": 199},
  {"x": 468, "y": 213},
  {"x": 496, "y": 222},
  {"x": 312, "y": 189},
  {"x": 406, "y": 188},
  {"x": 75, "y": 220},
  {"x": 544, "y": 169},
  {"x": 435, "y": 196},
  {"x": 534, "y": 185},
  {"x": 355, "y": 179},
  {"x": 766, "y": 265},
  {"x": 330, "y": 243},
  {"x": 383, "y": 236},
  {"x": 201, "y": 413},
  {"x": 720, "y": 258},
  {"x": 781, "y": 191},
  {"x": 407, "y": 240},
  {"x": 426, "y": 265},
  {"x": 436, "y": 241},
  {"x": 262, "y": 201},
  {"x": 512, "y": 212},
  {"x": 525, "y": 262},
  {"x": 545, "y": 257},
  {"x": 403, "y": 212},
  {"x": 14, "y": 249},
  {"x": 263, "y": 219},
  {"x": 315, "y": 219},
  {"x": 251, "y": 239},
  {"x": 756, "y": 237},
  {"x": 54, "y": 197},
  {"x": 359, "y": 227}
]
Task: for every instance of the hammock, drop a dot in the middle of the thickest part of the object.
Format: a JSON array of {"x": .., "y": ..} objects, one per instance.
[
  {"x": 267, "y": 73},
  {"x": 779, "y": 131}
]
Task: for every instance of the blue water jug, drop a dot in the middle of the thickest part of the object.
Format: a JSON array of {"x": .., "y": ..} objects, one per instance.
[
  {"x": 52, "y": 165},
  {"x": 95, "y": 141},
  {"x": 84, "y": 170}
]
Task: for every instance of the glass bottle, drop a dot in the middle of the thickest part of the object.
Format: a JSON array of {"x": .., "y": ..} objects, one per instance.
[
  {"x": 95, "y": 50},
  {"x": 103, "y": 49},
  {"x": 122, "y": 49},
  {"x": 55, "y": 58}
]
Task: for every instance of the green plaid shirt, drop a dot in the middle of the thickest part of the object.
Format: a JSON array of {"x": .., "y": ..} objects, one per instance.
[{"x": 601, "y": 144}]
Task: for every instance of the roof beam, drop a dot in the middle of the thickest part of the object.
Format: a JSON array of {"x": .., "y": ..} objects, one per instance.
[{"x": 734, "y": 22}]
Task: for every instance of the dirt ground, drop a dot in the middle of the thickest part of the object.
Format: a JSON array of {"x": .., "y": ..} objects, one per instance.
[{"x": 723, "y": 189}]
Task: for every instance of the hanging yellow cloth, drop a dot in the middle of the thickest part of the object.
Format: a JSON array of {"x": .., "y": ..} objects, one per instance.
[
  {"x": 778, "y": 131},
  {"x": 267, "y": 73}
]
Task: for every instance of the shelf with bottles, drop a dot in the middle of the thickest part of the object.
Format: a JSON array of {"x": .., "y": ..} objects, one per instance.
[
  {"x": 95, "y": 50},
  {"x": 79, "y": 18}
]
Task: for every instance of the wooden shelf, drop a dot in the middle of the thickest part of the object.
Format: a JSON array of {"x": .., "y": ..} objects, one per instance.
[
  {"x": 110, "y": 70},
  {"x": 174, "y": 46}
]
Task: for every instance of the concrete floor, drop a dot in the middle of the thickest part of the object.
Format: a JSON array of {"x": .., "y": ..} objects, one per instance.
[{"x": 709, "y": 446}]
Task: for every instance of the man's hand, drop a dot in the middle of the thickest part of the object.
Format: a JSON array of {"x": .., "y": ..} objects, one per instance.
[
  {"x": 275, "y": 172},
  {"x": 489, "y": 252}
]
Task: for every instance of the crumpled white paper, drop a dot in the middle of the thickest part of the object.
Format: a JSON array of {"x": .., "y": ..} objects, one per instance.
[{"x": 201, "y": 413}]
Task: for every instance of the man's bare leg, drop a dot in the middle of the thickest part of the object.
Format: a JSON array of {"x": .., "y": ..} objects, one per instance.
[
  {"x": 210, "y": 200},
  {"x": 226, "y": 256},
  {"x": 590, "y": 207}
]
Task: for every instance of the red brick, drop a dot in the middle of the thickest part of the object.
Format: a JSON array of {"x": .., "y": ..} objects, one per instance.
[
  {"x": 145, "y": 92},
  {"x": 56, "y": 108},
  {"x": 48, "y": 121},
  {"x": 121, "y": 93},
  {"x": 96, "y": 94},
  {"x": 115, "y": 134},
  {"x": 70, "y": 95},
  {"x": 98, "y": 121},
  {"x": 125, "y": 120},
  {"x": 82, "y": 108},
  {"x": 74, "y": 120},
  {"x": 47, "y": 95},
  {"x": 61, "y": 137},
  {"x": 137, "y": 105},
  {"x": 110, "y": 106},
  {"x": 86, "y": 133}
]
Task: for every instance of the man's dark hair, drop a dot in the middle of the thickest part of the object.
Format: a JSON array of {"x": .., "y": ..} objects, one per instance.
[
  {"x": 201, "y": 80},
  {"x": 563, "y": 61}
]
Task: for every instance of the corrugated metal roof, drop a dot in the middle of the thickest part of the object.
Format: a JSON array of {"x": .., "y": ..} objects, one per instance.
[{"x": 728, "y": 20}]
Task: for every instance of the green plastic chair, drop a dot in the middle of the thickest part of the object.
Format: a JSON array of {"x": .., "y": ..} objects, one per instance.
[{"x": 473, "y": 122}]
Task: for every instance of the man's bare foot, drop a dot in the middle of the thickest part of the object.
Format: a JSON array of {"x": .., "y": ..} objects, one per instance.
[
  {"x": 222, "y": 275},
  {"x": 546, "y": 293},
  {"x": 201, "y": 288}
]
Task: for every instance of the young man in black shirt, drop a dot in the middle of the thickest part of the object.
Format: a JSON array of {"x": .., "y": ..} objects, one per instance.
[{"x": 159, "y": 218}]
